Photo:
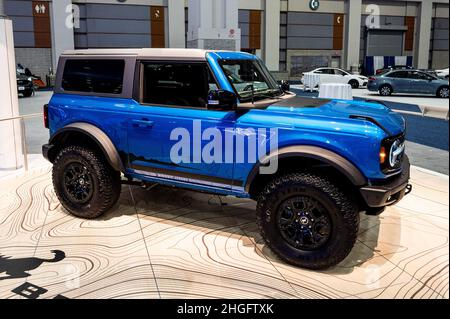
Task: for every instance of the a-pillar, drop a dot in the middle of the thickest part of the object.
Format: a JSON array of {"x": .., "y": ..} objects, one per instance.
[
  {"x": 425, "y": 20},
  {"x": 10, "y": 133},
  {"x": 353, "y": 31},
  {"x": 64, "y": 17},
  {"x": 213, "y": 25}
]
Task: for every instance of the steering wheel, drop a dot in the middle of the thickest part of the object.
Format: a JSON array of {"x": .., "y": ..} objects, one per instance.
[{"x": 249, "y": 87}]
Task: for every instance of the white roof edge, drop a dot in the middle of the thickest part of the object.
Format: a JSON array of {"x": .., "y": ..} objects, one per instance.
[{"x": 150, "y": 52}]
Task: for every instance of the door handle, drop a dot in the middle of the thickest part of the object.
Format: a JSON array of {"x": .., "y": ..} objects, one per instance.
[{"x": 142, "y": 123}]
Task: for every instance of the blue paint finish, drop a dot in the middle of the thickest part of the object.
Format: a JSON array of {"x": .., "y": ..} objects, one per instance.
[{"x": 143, "y": 132}]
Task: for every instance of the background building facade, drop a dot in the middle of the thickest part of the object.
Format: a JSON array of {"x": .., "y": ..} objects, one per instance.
[{"x": 291, "y": 36}]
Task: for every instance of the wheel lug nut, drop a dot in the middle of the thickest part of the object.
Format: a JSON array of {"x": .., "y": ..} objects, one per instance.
[{"x": 310, "y": 227}]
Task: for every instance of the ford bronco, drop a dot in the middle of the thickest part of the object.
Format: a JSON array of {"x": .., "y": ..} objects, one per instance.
[{"x": 217, "y": 122}]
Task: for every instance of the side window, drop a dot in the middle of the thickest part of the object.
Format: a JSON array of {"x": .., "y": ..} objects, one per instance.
[
  {"x": 339, "y": 72},
  {"x": 177, "y": 84},
  {"x": 321, "y": 71},
  {"x": 398, "y": 75},
  {"x": 418, "y": 75},
  {"x": 93, "y": 76}
]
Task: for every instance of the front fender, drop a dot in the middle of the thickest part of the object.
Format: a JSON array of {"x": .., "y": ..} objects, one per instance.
[{"x": 340, "y": 163}]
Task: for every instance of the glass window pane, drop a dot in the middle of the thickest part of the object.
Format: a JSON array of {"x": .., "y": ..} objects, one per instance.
[{"x": 94, "y": 76}]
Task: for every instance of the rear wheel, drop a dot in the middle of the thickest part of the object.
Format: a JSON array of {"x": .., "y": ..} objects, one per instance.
[
  {"x": 354, "y": 84},
  {"x": 307, "y": 221},
  {"x": 385, "y": 90},
  {"x": 84, "y": 182},
  {"x": 443, "y": 92}
]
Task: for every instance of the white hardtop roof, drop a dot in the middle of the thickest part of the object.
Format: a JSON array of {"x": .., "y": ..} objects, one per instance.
[{"x": 144, "y": 53}]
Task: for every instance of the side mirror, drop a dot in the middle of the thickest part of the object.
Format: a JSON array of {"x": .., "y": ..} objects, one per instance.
[
  {"x": 222, "y": 100},
  {"x": 285, "y": 86}
]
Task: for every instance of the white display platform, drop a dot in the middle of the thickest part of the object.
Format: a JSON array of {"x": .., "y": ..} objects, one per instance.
[{"x": 335, "y": 91}]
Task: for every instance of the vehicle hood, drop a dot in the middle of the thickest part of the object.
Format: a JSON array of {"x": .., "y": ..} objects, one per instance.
[{"x": 378, "y": 114}]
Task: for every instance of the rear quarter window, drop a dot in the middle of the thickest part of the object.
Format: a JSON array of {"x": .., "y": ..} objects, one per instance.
[{"x": 93, "y": 76}]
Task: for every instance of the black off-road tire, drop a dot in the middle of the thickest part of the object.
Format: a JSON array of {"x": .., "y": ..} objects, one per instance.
[
  {"x": 343, "y": 213},
  {"x": 354, "y": 84},
  {"x": 106, "y": 185}
]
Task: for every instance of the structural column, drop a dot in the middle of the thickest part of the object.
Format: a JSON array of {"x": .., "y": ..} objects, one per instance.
[
  {"x": 272, "y": 34},
  {"x": 64, "y": 17},
  {"x": 213, "y": 24},
  {"x": 353, "y": 32},
  {"x": 425, "y": 21},
  {"x": 176, "y": 23},
  {"x": 10, "y": 132}
]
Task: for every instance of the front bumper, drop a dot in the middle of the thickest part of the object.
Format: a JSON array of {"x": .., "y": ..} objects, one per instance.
[{"x": 391, "y": 192}]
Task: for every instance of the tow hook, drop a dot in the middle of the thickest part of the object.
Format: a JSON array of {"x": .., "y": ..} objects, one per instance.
[{"x": 408, "y": 189}]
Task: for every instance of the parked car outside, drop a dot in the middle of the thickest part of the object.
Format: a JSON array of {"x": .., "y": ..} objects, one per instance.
[
  {"x": 443, "y": 73},
  {"x": 171, "y": 116},
  {"x": 335, "y": 75},
  {"x": 408, "y": 81},
  {"x": 24, "y": 85}
]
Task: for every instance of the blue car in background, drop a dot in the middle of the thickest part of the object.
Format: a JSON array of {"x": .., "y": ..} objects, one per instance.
[{"x": 408, "y": 81}]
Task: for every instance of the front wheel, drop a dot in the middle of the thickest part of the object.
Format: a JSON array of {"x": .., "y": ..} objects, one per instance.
[
  {"x": 354, "y": 84},
  {"x": 84, "y": 182},
  {"x": 307, "y": 221}
]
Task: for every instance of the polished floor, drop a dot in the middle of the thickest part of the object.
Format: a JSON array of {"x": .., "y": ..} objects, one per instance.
[{"x": 168, "y": 243}]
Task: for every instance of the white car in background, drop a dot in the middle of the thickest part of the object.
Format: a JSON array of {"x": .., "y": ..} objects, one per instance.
[
  {"x": 442, "y": 73},
  {"x": 335, "y": 75}
]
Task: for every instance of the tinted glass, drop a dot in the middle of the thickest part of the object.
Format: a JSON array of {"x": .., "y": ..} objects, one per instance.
[
  {"x": 418, "y": 75},
  {"x": 177, "y": 84},
  {"x": 398, "y": 75},
  {"x": 339, "y": 72},
  {"x": 94, "y": 76}
]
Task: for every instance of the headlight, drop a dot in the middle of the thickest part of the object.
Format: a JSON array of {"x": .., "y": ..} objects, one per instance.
[{"x": 391, "y": 153}]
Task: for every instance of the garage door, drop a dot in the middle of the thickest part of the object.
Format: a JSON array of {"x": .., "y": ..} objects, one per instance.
[{"x": 385, "y": 43}]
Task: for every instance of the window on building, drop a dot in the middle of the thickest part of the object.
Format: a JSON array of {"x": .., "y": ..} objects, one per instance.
[
  {"x": 94, "y": 76},
  {"x": 177, "y": 84}
]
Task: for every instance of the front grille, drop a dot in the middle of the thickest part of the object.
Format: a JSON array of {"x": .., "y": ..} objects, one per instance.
[
  {"x": 23, "y": 82},
  {"x": 388, "y": 143}
]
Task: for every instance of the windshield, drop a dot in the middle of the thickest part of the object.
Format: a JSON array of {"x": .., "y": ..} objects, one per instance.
[{"x": 250, "y": 79}]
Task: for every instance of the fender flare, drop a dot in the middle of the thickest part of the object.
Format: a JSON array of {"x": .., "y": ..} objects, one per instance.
[
  {"x": 313, "y": 152},
  {"x": 98, "y": 136}
]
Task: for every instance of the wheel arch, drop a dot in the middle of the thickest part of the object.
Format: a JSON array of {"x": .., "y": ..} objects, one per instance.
[
  {"x": 308, "y": 155},
  {"x": 91, "y": 135}
]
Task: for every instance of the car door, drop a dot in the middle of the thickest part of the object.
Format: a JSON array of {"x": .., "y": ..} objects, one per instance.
[
  {"x": 399, "y": 81},
  {"x": 172, "y": 111},
  {"x": 420, "y": 82}
]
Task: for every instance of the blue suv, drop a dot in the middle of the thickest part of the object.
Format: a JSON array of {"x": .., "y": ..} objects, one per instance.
[{"x": 217, "y": 122}]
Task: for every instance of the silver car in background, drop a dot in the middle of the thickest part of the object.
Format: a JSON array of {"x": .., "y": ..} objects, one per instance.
[{"x": 408, "y": 81}]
